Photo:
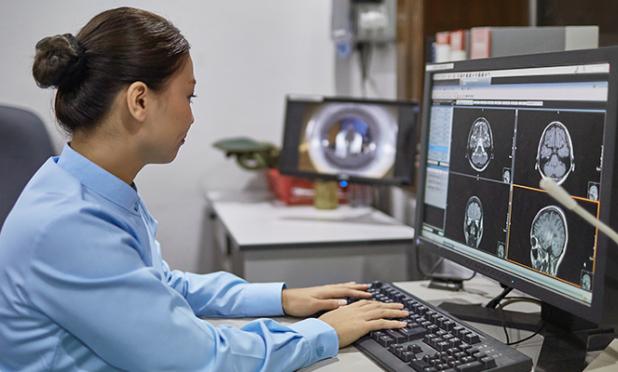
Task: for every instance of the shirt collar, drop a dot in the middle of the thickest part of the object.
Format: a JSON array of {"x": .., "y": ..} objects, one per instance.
[{"x": 97, "y": 179}]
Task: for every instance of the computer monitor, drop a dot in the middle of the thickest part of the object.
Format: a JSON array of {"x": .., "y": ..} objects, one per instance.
[
  {"x": 352, "y": 139},
  {"x": 491, "y": 129}
]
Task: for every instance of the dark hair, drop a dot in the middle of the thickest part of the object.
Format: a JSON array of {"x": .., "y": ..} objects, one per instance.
[{"x": 116, "y": 48}]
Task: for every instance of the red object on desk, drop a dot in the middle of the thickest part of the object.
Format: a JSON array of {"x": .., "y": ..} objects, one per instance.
[{"x": 290, "y": 190}]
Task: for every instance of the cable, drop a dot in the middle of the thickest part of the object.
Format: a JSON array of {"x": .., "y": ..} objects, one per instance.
[
  {"x": 512, "y": 300},
  {"x": 496, "y": 301}
]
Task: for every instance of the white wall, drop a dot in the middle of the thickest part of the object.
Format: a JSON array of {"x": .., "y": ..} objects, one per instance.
[{"x": 247, "y": 56}]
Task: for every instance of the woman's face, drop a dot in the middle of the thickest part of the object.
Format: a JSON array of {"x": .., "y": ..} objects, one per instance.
[{"x": 170, "y": 118}]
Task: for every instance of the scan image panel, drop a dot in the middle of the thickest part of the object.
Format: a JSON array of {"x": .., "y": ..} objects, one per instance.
[
  {"x": 482, "y": 142},
  {"x": 549, "y": 239},
  {"x": 476, "y": 213},
  {"x": 480, "y": 146},
  {"x": 549, "y": 235},
  {"x": 349, "y": 138},
  {"x": 562, "y": 145},
  {"x": 473, "y": 222},
  {"x": 555, "y": 157}
]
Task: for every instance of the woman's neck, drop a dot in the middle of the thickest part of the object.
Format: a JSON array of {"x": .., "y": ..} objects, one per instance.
[{"x": 111, "y": 154}]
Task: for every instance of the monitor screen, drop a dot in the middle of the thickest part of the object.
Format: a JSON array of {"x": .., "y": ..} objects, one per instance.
[
  {"x": 491, "y": 130},
  {"x": 360, "y": 140}
]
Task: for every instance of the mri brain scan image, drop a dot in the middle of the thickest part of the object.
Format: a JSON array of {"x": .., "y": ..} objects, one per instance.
[
  {"x": 473, "y": 222},
  {"x": 480, "y": 149},
  {"x": 555, "y": 158},
  {"x": 352, "y": 138},
  {"x": 548, "y": 239}
]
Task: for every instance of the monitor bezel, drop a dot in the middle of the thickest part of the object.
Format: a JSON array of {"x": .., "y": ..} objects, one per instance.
[
  {"x": 312, "y": 99},
  {"x": 605, "y": 284}
]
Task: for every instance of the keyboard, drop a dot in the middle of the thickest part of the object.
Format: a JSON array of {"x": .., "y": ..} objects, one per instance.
[{"x": 435, "y": 341}]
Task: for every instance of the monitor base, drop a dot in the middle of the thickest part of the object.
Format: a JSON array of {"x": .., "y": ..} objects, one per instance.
[{"x": 448, "y": 284}]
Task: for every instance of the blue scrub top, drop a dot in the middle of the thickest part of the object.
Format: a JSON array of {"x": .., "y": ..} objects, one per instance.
[{"x": 83, "y": 287}]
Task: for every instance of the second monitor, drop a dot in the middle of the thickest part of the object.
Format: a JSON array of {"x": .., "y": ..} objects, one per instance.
[{"x": 358, "y": 140}]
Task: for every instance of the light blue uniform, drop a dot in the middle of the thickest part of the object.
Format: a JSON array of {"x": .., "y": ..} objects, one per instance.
[{"x": 83, "y": 287}]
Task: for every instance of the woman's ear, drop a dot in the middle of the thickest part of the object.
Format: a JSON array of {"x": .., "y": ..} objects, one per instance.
[{"x": 137, "y": 94}]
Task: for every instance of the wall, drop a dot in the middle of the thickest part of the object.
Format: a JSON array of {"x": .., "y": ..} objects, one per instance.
[{"x": 247, "y": 56}]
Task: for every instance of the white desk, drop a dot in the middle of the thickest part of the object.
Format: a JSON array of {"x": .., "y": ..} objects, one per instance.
[
  {"x": 269, "y": 241},
  {"x": 479, "y": 290}
]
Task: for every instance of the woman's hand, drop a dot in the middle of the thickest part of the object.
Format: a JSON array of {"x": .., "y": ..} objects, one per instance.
[
  {"x": 302, "y": 302},
  {"x": 355, "y": 320}
]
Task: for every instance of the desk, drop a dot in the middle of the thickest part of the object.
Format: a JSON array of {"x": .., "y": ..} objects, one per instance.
[
  {"x": 265, "y": 240},
  {"x": 478, "y": 290}
]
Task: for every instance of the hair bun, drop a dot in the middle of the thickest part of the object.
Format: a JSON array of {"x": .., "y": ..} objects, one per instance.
[{"x": 56, "y": 60}]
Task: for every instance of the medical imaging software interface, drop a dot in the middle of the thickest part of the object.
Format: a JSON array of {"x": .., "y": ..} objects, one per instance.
[
  {"x": 348, "y": 138},
  {"x": 492, "y": 136}
]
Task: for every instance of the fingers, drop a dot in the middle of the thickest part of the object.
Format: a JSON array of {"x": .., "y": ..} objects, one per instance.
[
  {"x": 378, "y": 304},
  {"x": 331, "y": 304},
  {"x": 385, "y": 313},
  {"x": 369, "y": 305},
  {"x": 340, "y": 292},
  {"x": 377, "y": 324}
]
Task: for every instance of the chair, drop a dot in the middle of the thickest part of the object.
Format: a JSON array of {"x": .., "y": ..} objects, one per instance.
[{"x": 24, "y": 146}]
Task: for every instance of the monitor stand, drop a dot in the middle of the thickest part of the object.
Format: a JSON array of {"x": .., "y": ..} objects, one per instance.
[{"x": 566, "y": 338}]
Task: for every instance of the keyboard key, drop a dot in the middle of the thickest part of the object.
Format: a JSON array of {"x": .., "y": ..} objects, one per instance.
[
  {"x": 413, "y": 333},
  {"x": 385, "y": 341},
  {"x": 470, "y": 367},
  {"x": 414, "y": 348},
  {"x": 449, "y": 325},
  {"x": 454, "y": 342},
  {"x": 396, "y": 335},
  {"x": 406, "y": 356},
  {"x": 419, "y": 364},
  {"x": 488, "y": 362},
  {"x": 395, "y": 348},
  {"x": 441, "y": 346},
  {"x": 472, "y": 338}
]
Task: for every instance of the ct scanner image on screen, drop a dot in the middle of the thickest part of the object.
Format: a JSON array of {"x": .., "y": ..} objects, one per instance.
[
  {"x": 351, "y": 138},
  {"x": 549, "y": 234},
  {"x": 554, "y": 157},
  {"x": 480, "y": 148}
]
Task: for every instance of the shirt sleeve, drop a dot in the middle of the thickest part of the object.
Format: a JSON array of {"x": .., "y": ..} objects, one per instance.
[
  {"x": 222, "y": 294},
  {"x": 88, "y": 277}
]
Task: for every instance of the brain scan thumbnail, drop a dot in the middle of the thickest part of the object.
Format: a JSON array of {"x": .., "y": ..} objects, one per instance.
[
  {"x": 586, "y": 280},
  {"x": 480, "y": 149},
  {"x": 555, "y": 158},
  {"x": 548, "y": 239},
  {"x": 352, "y": 138},
  {"x": 500, "y": 250},
  {"x": 593, "y": 191},
  {"x": 473, "y": 222}
]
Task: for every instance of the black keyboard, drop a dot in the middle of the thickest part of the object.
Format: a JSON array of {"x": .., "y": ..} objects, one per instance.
[{"x": 435, "y": 341}]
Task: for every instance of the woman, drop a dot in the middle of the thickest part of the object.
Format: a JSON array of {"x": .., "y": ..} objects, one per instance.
[{"x": 82, "y": 282}]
